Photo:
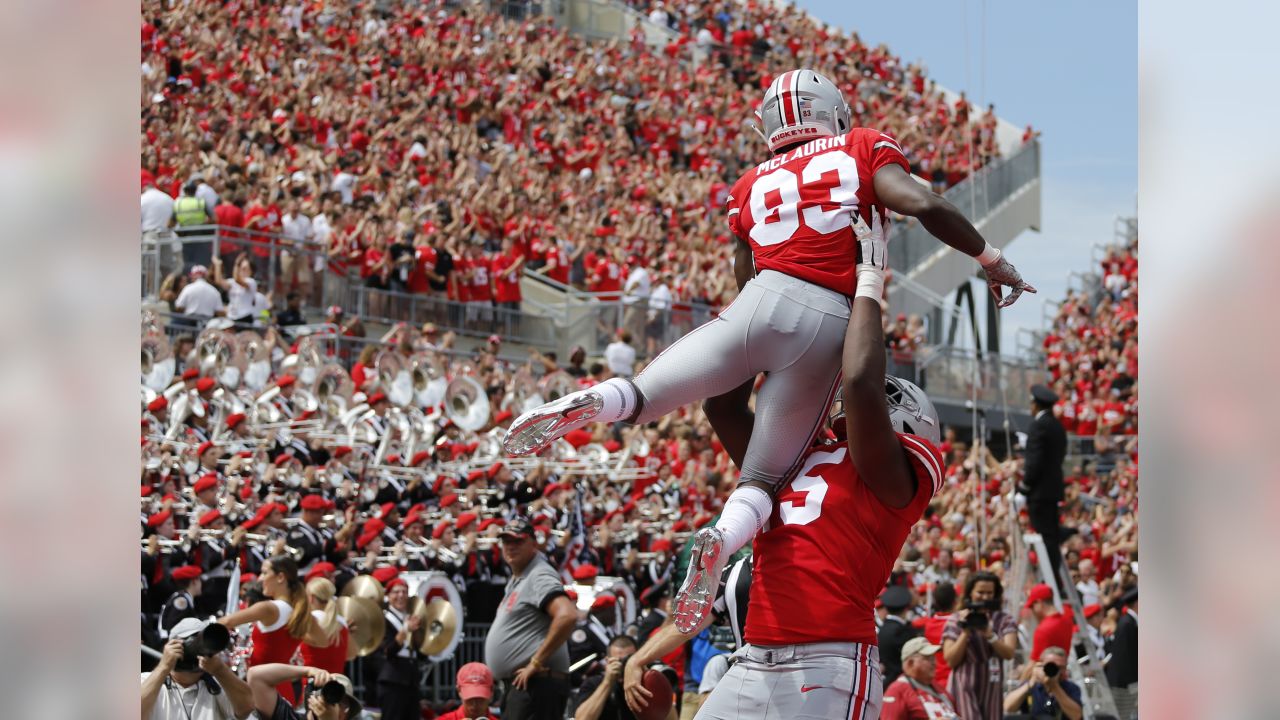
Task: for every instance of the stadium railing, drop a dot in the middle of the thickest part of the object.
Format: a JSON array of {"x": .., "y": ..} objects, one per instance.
[
  {"x": 975, "y": 196},
  {"x": 169, "y": 251}
]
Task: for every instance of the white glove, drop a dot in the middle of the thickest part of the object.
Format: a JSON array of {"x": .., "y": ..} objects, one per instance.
[
  {"x": 1002, "y": 273},
  {"x": 873, "y": 255},
  {"x": 873, "y": 242}
]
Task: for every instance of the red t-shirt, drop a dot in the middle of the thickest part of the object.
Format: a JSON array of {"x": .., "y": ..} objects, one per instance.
[
  {"x": 228, "y": 216},
  {"x": 829, "y": 548},
  {"x": 424, "y": 261},
  {"x": 1054, "y": 631},
  {"x": 608, "y": 278},
  {"x": 372, "y": 257},
  {"x": 795, "y": 208},
  {"x": 506, "y": 286},
  {"x": 480, "y": 290},
  {"x": 933, "y": 633},
  {"x": 559, "y": 273}
]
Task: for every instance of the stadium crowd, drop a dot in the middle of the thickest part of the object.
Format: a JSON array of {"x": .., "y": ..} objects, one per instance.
[
  {"x": 408, "y": 145},
  {"x": 439, "y": 149}
]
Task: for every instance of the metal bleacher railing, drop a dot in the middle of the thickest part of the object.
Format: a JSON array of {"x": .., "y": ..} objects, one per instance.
[{"x": 975, "y": 196}]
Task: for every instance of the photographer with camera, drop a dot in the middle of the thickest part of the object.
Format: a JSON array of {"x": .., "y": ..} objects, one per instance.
[
  {"x": 601, "y": 696},
  {"x": 191, "y": 681},
  {"x": 1046, "y": 692},
  {"x": 329, "y": 696},
  {"x": 975, "y": 641}
]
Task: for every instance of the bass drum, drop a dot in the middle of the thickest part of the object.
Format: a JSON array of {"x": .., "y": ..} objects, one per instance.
[{"x": 432, "y": 585}]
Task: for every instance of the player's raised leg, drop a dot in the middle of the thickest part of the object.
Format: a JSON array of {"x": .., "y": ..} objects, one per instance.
[{"x": 706, "y": 362}]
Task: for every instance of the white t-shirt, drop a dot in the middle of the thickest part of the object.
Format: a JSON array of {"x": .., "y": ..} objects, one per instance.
[
  {"x": 660, "y": 299},
  {"x": 621, "y": 358},
  {"x": 344, "y": 183},
  {"x": 157, "y": 210},
  {"x": 175, "y": 701},
  {"x": 637, "y": 286},
  {"x": 199, "y": 298},
  {"x": 240, "y": 298},
  {"x": 297, "y": 227}
]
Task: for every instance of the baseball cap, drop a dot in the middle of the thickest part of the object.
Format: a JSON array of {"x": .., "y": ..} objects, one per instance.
[
  {"x": 475, "y": 681},
  {"x": 918, "y": 646},
  {"x": 518, "y": 527},
  {"x": 354, "y": 707},
  {"x": 1039, "y": 592},
  {"x": 187, "y": 627}
]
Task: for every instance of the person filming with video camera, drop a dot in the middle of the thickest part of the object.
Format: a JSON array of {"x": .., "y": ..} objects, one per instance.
[
  {"x": 1045, "y": 691},
  {"x": 975, "y": 642},
  {"x": 191, "y": 681}
]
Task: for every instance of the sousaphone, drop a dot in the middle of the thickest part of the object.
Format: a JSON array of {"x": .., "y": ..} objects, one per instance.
[
  {"x": 524, "y": 395},
  {"x": 429, "y": 381},
  {"x": 219, "y": 357},
  {"x": 257, "y": 355},
  {"x": 158, "y": 364},
  {"x": 333, "y": 390},
  {"x": 395, "y": 377},
  {"x": 466, "y": 403},
  {"x": 556, "y": 385}
]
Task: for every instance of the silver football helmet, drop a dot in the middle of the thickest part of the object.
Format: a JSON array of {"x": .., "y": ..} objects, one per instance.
[
  {"x": 802, "y": 105},
  {"x": 910, "y": 410}
]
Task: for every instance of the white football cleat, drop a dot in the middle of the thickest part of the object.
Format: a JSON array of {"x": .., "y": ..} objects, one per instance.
[
  {"x": 698, "y": 593},
  {"x": 535, "y": 430}
]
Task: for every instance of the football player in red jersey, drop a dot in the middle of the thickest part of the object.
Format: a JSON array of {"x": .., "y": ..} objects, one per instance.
[
  {"x": 794, "y": 216},
  {"x": 829, "y": 547}
]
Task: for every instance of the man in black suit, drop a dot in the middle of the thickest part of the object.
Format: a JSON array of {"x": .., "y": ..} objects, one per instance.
[
  {"x": 1122, "y": 668},
  {"x": 1042, "y": 474},
  {"x": 895, "y": 632}
]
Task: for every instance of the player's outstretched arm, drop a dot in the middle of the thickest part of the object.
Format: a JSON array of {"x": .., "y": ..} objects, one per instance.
[
  {"x": 903, "y": 195},
  {"x": 873, "y": 445}
]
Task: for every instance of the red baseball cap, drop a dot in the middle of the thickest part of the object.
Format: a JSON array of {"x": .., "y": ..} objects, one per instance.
[
  {"x": 1039, "y": 592},
  {"x": 475, "y": 681}
]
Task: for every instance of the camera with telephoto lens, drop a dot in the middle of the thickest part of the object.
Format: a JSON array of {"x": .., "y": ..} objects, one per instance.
[
  {"x": 1051, "y": 669},
  {"x": 211, "y": 640},
  {"x": 332, "y": 692},
  {"x": 978, "y": 619}
]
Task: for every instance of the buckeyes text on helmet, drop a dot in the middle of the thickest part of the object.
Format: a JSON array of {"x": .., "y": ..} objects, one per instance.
[{"x": 802, "y": 105}]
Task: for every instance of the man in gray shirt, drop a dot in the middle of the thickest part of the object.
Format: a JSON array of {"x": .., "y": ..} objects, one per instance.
[{"x": 525, "y": 647}]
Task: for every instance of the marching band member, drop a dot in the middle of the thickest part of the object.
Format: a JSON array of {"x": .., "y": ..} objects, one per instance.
[
  {"x": 280, "y": 623},
  {"x": 157, "y": 416},
  {"x": 217, "y": 557},
  {"x": 398, "y": 679},
  {"x": 316, "y": 542},
  {"x": 181, "y": 604}
]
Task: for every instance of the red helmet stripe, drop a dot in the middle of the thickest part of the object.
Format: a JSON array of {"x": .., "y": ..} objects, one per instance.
[{"x": 785, "y": 99}]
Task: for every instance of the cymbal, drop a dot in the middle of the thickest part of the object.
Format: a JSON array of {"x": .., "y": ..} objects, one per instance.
[
  {"x": 366, "y": 587},
  {"x": 439, "y": 625},
  {"x": 364, "y": 623}
]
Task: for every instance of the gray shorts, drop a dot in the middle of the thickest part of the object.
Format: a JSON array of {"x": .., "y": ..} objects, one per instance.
[
  {"x": 793, "y": 330},
  {"x": 794, "y": 682}
]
